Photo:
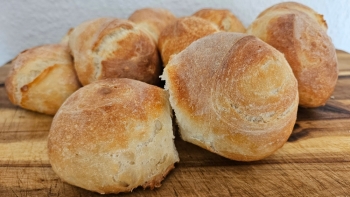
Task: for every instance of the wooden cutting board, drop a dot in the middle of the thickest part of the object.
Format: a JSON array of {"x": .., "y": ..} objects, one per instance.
[{"x": 314, "y": 162}]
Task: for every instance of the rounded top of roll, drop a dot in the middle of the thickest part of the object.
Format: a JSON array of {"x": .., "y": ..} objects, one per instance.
[
  {"x": 181, "y": 33},
  {"x": 153, "y": 20},
  {"x": 113, "y": 48},
  {"x": 223, "y": 18}
]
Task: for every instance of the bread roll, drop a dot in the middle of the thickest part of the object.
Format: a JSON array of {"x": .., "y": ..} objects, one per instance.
[
  {"x": 152, "y": 20},
  {"x": 113, "y": 48},
  {"x": 112, "y": 136},
  {"x": 222, "y": 18},
  {"x": 41, "y": 78},
  {"x": 300, "y": 33},
  {"x": 181, "y": 33},
  {"x": 233, "y": 95}
]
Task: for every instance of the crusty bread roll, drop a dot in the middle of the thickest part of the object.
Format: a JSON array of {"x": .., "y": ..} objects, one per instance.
[
  {"x": 181, "y": 33},
  {"x": 110, "y": 47},
  {"x": 152, "y": 20},
  {"x": 233, "y": 94},
  {"x": 41, "y": 78},
  {"x": 112, "y": 136},
  {"x": 300, "y": 33},
  {"x": 224, "y": 19}
]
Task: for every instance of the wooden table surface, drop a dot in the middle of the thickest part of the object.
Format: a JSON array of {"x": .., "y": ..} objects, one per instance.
[{"x": 314, "y": 162}]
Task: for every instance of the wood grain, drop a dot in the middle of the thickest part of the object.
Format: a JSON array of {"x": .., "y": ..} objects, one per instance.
[{"x": 314, "y": 162}]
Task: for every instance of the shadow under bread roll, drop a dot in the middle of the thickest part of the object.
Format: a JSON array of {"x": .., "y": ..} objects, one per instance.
[{"x": 233, "y": 95}]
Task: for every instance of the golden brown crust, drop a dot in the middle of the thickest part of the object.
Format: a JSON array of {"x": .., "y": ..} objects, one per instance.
[
  {"x": 181, "y": 33},
  {"x": 41, "y": 78},
  {"x": 222, "y": 18},
  {"x": 112, "y": 136},
  {"x": 152, "y": 20},
  {"x": 299, "y": 7},
  {"x": 306, "y": 46},
  {"x": 233, "y": 95},
  {"x": 109, "y": 47}
]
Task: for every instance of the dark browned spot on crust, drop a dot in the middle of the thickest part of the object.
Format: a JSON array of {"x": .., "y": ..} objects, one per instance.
[
  {"x": 24, "y": 88},
  {"x": 105, "y": 90}
]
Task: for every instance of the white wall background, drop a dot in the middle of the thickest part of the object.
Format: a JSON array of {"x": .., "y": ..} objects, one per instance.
[{"x": 28, "y": 23}]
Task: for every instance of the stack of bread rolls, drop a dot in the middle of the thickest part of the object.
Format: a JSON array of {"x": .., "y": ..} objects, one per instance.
[
  {"x": 235, "y": 92},
  {"x": 115, "y": 133}
]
